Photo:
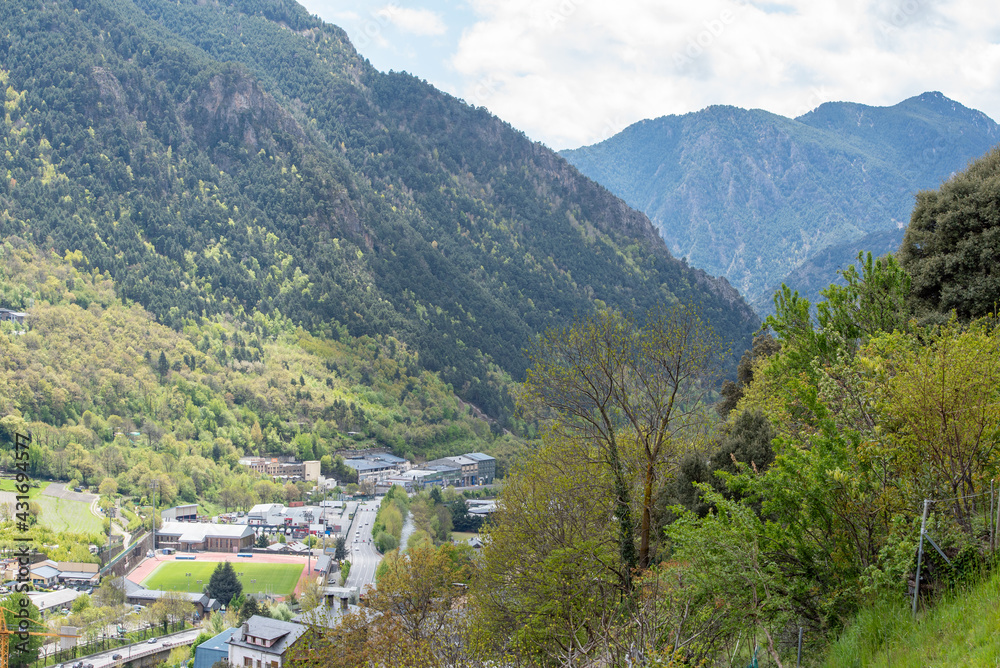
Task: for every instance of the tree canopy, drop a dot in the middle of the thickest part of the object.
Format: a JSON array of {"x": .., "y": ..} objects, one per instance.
[{"x": 224, "y": 586}]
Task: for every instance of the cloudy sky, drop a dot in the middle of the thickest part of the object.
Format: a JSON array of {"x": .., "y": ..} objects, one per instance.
[{"x": 574, "y": 72}]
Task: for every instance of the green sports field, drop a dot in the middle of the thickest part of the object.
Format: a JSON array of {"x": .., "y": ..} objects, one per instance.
[{"x": 256, "y": 578}]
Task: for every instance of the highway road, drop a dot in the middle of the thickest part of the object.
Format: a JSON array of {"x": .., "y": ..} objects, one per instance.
[
  {"x": 362, "y": 554},
  {"x": 107, "y": 660}
]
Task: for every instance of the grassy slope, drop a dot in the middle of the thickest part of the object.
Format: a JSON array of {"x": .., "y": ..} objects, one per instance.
[
  {"x": 66, "y": 515},
  {"x": 961, "y": 631}
]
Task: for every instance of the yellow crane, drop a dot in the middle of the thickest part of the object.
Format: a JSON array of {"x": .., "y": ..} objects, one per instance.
[{"x": 6, "y": 633}]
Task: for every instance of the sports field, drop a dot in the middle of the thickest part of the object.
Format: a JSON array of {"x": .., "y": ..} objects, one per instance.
[{"x": 256, "y": 578}]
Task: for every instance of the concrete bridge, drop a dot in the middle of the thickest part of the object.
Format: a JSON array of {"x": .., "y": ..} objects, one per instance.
[{"x": 139, "y": 655}]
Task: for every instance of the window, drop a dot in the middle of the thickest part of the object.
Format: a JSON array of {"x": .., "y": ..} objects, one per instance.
[
  {"x": 258, "y": 663},
  {"x": 247, "y": 661}
]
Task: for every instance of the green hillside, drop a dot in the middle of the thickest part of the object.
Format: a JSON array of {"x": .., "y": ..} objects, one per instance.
[
  {"x": 85, "y": 378},
  {"x": 240, "y": 157},
  {"x": 959, "y": 631},
  {"x": 762, "y": 199}
]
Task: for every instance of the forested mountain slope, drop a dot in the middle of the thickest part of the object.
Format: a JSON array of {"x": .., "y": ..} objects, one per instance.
[
  {"x": 762, "y": 199},
  {"x": 240, "y": 155},
  {"x": 106, "y": 391}
]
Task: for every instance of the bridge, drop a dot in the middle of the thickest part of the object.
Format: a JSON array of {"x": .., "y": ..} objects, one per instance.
[{"x": 139, "y": 655}]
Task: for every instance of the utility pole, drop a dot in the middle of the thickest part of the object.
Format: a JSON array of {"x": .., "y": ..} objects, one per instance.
[
  {"x": 154, "y": 485},
  {"x": 920, "y": 556}
]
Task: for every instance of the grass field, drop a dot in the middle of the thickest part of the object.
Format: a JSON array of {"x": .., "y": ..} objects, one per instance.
[
  {"x": 66, "y": 515},
  {"x": 8, "y": 485},
  {"x": 256, "y": 578}
]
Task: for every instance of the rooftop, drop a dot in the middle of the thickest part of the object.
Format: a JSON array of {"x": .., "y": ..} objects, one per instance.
[
  {"x": 219, "y": 641},
  {"x": 187, "y": 532},
  {"x": 53, "y": 599},
  {"x": 284, "y": 633}
]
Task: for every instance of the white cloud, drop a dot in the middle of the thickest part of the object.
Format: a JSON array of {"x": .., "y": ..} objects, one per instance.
[
  {"x": 415, "y": 21},
  {"x": 570, "y": 72}
]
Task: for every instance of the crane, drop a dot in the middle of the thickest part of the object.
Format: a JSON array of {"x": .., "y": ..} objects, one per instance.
[{"x": 6, "y": 633}]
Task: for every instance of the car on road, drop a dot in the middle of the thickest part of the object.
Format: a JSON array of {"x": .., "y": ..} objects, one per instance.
[
  {"x": 151, "y": 641},
  {"x": 116, "y": 657}
]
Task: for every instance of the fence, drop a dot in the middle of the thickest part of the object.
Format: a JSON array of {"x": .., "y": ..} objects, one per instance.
[
  {"x": 108, "y": 643},
  {"x": 967, "y": 517}
]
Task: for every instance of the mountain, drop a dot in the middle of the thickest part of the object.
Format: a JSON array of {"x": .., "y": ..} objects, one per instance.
[
  {"x": 762, "y": 199},
  {"x": 240, "y": 156}
]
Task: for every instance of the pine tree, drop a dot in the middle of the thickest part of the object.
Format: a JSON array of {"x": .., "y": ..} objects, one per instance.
[
  {"x": 224, "y": 586},
  {"x": 162, "y": 366}
]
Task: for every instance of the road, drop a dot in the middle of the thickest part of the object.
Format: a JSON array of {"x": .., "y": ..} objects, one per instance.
[
  {"x": 105, "y": 659},
  {"x": 362, "y": 554}
]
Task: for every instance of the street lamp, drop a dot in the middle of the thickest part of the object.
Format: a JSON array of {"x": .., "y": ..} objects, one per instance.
[{"x": 154, "y": 484}]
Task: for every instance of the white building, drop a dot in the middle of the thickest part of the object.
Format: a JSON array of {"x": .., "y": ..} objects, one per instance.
[{"x": 263, "y": 643}]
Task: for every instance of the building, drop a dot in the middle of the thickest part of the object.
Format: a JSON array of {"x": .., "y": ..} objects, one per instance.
[
  {"x": 372, "y": 469},
  {"x": 298, "y": 520},
  {"x": 487, "y": 467},
  {"x": 263, "y": 642},
  {"x": 482, "y": 508},
  {"x": 7, "y": 315},
  {"x": 44, "y": 574},
  {"x": 185, "y": 513},
  {"x": 213, "y": 649},
  {"x": 196, "y": 537},
  {"x": 200, "y": 603},
  {"x": 266, "y": 514},
  {"x": 79, "y": 573},
  {"x": 468, "y": 467},
  {"x": 286, "y": 468},
  {"x": 53, "y": 602}
]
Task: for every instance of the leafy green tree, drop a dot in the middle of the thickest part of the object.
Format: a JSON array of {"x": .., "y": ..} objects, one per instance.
[
  {"x": 248, "y": 609},
  {"x": 224, "y": 586},
  {"x": 950, "y": 246},
  {"x": 21, "y": 614},
  {"x": 728, "y": 563},
  {"x": 81, "y": 603},
  {"x": 111, "y": 592},
  {"x": 627, "y": 387},
  {"x": 546, "y": 581},
  {"x": 763, "y": 346}
]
